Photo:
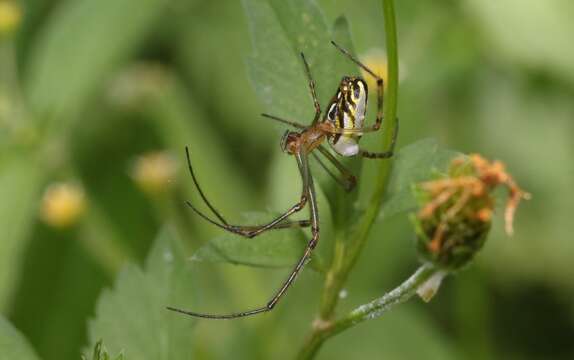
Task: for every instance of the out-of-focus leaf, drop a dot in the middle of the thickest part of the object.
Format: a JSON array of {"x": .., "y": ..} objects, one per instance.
[
  {"x": 160, "y": 96},
  {"x": 540, "y": 162},
  {"x": 132, "y": 318},
  {"x": 540, "y": 35},
  {"x": 100, "y": 353},
  {"x": 229, "y": 63},
  {"x": 82, "y": 43},
  {"x": 57, "y": 287},
  {"x": 274, "y": 248},
  {"x": 19, "y": 182},
  {"x": 406, "y": 333},
  {"x": 414, "y": 163},
  {"x": 12, "y": 344},
  {"x": 181, "y": 123},
  {"x": 37, "y": 13},
  {"x": 280, "y": 30}
]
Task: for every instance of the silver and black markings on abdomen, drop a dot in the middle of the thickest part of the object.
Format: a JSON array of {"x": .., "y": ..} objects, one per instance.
[{"x": 347, "y": 111}]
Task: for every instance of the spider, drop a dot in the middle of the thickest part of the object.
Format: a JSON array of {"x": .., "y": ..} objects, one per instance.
[{"x": 342, "y": 126}]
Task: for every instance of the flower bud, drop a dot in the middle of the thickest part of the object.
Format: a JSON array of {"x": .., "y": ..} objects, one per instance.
[
  {"x": 154, "y": 172},
  {"x": 456, "y": 211},
  {"x": 136, "y": 85},
  {"x": 63, "y": 204},
  {"x": 10, "y": 17}
]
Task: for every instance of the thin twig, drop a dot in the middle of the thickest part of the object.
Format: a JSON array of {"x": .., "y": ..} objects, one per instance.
[{"x": 371, "y": 310}]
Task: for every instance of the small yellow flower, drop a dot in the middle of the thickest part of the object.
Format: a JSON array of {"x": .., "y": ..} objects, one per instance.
[
  {"x": 10, "y": 17},
  {"x": 376, "y": 60},
  {"x": 138, "y": 83},
  {"x": 154, "y": 172},
  {"x": 63, "y": 204}
]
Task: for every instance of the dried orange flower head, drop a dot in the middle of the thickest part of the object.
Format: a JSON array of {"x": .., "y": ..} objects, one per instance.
[{"x": 456, "y": 210}]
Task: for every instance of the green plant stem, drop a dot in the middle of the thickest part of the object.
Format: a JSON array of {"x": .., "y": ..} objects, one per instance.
[
  {"x": 371, "y": 310},
  {"x": 346, "y": 253}
]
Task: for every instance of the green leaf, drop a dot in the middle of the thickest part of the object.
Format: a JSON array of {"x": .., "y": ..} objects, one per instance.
[
  {"x": 133, "y": 318},
  {"x": 100, "y": 353},
  {"x": 180, "y": 122},
  {"x": 12, "y": 344},
  {"x": 83, "y": 42},
  {"x": 20, "y": 179},
  {"x": 274, "y": 248},
  {"x": 280, "y": 30},
  {"x": 413, "y": 163}
]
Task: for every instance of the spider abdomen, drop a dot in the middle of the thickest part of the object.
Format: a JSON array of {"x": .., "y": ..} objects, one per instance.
[{"x": 346, "y": 111}]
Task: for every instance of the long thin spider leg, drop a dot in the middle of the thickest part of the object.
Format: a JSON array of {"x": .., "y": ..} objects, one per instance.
[
  {"x": 224, "y": 226},
  {"x": 287, "y": 122},
  {"x": 357, "y": 132},
  {"x": 312, "y": 89},
  {"x": 380, "y": 87},
  {"x": 314, "y": 218},
  {"x": 386, "y": 154},
  {"x": 247, "y": 231},
  {"x": 314, "y": 215},
  {"x": 353, "y": 59},
  {"x": 346, "y": 179},
  {"x": 331, "y": 174},
  {"x": 252, "y": 231},
  {"x": 244, "y": 230},
  {"x": 292, "y": 224},
  {"x": 215, "y": 212}
]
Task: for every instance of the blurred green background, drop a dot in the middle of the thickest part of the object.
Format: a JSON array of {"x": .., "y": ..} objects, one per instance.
[{"x": 99, "y": 97}]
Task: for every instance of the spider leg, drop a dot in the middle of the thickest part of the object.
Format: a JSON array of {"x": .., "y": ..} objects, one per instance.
[
  {"x": 358, "y": 132},
  {"x": 345, "y": 178},
  {"x": 312, "y": 89},
  {"x": 215, "y": 212},
  {"x": 314, "y": 219},
  {"x": 287, "y": 122},
  {"x": 385, "y": 154},
  {"x": 292, "y": 224},
  {"x": 380, "y": 88},
  {"x": 248, "y": 231}
]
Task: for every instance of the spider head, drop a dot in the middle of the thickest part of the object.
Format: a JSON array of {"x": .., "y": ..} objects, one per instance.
[{"x": 290, "y": 142}]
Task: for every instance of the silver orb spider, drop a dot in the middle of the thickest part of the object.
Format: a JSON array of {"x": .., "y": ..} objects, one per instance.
[{"x": 342, "y": 125}]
